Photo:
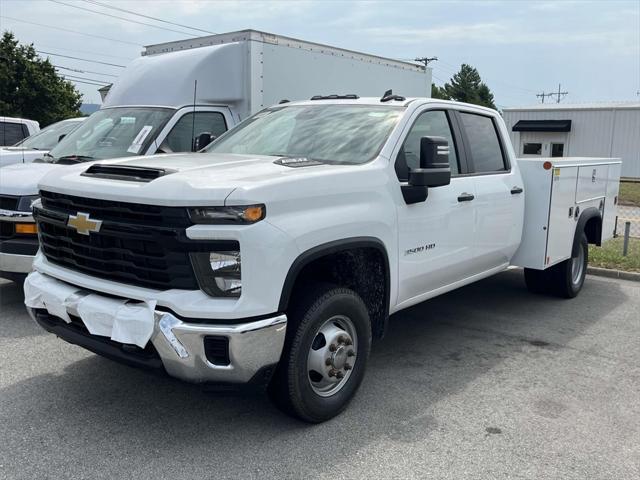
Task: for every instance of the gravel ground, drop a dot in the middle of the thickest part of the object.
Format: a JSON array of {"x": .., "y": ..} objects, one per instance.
[{"x": 485, "y": 382}]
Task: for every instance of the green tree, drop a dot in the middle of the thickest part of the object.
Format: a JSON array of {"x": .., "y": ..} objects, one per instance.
[
  {"x": 467, "y": 86},
  {"x": 30, "y": 86},
  {"x": 439, "y": 92}
]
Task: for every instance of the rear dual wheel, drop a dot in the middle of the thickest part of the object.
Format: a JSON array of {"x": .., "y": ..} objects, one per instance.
[{"x": 325, "y": 354}]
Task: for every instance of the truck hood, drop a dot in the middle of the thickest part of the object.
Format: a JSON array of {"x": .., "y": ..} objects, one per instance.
[
  {"x": 10, "y": 155},
  {"x": 22, "y": 178},
  {"x": 190, "y": 178}
]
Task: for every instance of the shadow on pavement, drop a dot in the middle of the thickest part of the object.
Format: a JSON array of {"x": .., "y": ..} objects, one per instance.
[{"x": 14, "y": 321}]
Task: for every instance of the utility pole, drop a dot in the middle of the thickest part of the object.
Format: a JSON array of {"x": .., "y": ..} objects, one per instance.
[
  {"x": 559, "y": 95},
  {"x": 543, "y": 95},
  {"x": 426, "y": 60}
]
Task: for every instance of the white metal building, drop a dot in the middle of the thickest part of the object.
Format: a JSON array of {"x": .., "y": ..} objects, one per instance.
[{"x": 579, "y": 130}]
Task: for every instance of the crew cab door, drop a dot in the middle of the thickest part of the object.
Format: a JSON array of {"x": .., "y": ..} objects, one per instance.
[
  {"x": 435, "y": 236},
  {"x": 188, "y": 123},
  {"x": 499, "y": 192}
]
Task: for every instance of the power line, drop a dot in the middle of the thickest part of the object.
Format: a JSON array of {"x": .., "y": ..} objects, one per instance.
[
  {"x": 120, "y": 18},
  {"x": 84, "y": 51},
  {"x": 455, "y": 69},
  {"x": 147, "y": 16},
  {"x": 438, "y": 78},
  {"x": 87, "y": 83},
  {"x": 70, "y": 31},
  {"x": 65, "y": 75},
  {"x": 84, "y": 71},
  {"x": 81, "y": 59}
]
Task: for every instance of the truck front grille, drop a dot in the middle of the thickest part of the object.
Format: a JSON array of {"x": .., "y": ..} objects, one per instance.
[
  {"x": 141, "y": 245},
  {"x": 9, "y": 202}
]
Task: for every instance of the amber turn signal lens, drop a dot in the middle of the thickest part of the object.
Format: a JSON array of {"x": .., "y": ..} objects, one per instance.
[
  {"x": 547, "y": 165},
  {"x": 253, "y": 214},
  {"x": 27, "y": 228}
]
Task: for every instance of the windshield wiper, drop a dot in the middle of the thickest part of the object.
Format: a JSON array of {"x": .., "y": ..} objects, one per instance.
[{"x": 70, "y": 159}]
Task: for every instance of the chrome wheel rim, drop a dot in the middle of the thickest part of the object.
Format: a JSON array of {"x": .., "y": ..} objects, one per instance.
[
  {"x": 332, "y": 356},
  {"x": 577, "y": 266}
]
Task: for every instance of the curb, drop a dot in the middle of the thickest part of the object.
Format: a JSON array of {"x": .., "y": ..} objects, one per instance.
[{"x": 605, "y": 272}]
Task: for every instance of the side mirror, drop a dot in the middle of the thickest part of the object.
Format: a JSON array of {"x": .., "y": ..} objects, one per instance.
[
  {"x": 202, "y": 140},
  {"x": 434, "y": 170},
  {"x": 61, "y": 137}
]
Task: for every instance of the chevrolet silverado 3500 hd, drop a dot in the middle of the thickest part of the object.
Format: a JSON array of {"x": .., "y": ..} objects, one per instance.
[{"x": 279, "y": 253}]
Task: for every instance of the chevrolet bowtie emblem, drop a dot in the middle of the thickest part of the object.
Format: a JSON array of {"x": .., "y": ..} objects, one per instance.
[{"x": 83, "y": 224}]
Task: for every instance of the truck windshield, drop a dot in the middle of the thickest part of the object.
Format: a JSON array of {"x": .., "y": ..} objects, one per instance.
[
  {"x": 333, "y": 133},
  {"x": 47, "y": 138},
  {"x": 112, "y": 133}
]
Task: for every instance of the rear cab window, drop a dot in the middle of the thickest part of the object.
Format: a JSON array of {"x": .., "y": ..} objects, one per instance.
[
  {"x": 485, "y": 148},
  {"x": 12, "y": 133}
]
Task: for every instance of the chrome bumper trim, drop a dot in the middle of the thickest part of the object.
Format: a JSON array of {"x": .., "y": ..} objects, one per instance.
[{"x": 252, "y": 345}]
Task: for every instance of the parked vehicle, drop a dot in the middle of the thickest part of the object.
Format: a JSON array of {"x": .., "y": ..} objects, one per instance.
[
  {"x": 13, "y": 130},
  {"x": 181, "y": 95},
  {"x": 278, "y": 254},
  {"x": 35, "y": 146}
]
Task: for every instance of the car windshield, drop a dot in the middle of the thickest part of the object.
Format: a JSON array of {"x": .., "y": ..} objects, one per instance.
[
  {"x": 335, "y": 133},
  {"x": 112, "y": 133},
  {"x": 47, "y": 138}
]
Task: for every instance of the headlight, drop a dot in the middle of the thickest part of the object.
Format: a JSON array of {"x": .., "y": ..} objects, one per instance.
[
  {"x": 24, "y": 204},
  {"x": 219, "y": 272},
  {"x": 221, "y": 215}
]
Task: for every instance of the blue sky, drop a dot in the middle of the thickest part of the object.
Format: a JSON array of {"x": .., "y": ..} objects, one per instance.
[{"x": 519, "y": 47}]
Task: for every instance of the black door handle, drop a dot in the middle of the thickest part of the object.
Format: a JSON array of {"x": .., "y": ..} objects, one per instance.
[
  {"x": 516, "y": 190},
  {"x": 466, "y": 197}
]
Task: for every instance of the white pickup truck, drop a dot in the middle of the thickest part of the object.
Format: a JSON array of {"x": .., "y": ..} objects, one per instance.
[{"x": 278, "y": 254}]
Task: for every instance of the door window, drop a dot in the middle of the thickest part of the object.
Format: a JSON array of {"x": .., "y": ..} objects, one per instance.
[
  {"x": 11, "y": 133},
  {"x": 484, "y": 144},
  {"x": 557, "y": 149},
  {"x": 532, "y": 149},
  {"x": 432, "y": 123},
  {"x": 180, "y": 138}
]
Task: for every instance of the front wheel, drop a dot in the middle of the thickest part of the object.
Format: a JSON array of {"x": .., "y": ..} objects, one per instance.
[{"x": 325, "y": 354}]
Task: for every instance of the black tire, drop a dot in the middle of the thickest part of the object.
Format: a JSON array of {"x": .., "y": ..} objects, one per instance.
[
  {"x": 563, "y": 281},
  {"x": 537, "y": 281},
  {"x": 291, "y": 388}
]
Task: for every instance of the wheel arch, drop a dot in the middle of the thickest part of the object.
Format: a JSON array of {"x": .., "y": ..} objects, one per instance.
[
  {"x": 368, "y": 254},
  {"x": 589, "y": 222}
]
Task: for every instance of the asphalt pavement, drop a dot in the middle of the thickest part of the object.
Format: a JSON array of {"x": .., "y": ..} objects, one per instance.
[{"x": 487, "y": 382}]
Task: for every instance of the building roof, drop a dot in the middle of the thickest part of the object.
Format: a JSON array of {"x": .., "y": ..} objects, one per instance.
[{"x": 577, "y": 106}]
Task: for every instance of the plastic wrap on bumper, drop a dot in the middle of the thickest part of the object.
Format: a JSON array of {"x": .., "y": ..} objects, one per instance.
[{"x": 252, "y": 344}]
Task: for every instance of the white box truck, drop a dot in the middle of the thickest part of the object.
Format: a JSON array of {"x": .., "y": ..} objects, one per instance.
[
  {"x": 156, "y": 106},
  {"x": 278, "y": 254}
]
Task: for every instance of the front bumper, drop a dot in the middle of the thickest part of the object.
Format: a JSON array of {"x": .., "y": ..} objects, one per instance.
[
  {"x": 16, "y": 251},
  {"x": 15, "y": 264},
  {"x": 176, "y": 345}
]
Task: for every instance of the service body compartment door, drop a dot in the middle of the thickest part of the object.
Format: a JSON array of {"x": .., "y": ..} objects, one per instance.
[
  {"x": 562, "y": 222},
  {"x": 592, "y": 182}
]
